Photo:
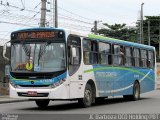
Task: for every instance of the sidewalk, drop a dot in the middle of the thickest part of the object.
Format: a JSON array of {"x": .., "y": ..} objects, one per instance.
[{"x": 7, "y": 99}]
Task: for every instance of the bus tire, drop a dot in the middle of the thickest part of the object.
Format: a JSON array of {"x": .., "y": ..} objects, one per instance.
[
  {"x": 136, "y": 91},
  {"x": 42, "y": 103},
  {"x": 86, "y": 101}
]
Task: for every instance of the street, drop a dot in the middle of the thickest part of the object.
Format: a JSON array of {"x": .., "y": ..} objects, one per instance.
[
  {"x": 70, "y": 110},
  {"x": 149, "y": 103}
]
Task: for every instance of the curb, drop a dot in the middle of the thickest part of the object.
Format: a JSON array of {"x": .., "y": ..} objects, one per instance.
[
  {"x": 12, "y": 101},
  {"x": 8, "y": 100}
]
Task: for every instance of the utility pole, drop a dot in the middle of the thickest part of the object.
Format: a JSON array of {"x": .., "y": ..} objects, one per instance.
[
  {"x": 149, "y": 36},
  {"x": 43, "y": 13},
  {"x": 95, "y": 27},
  {"x": 55, "y": 13},
  {"x": 159, "y": 38},
  {"x": 142, "y": 39},
  {"x": 140, "y": 32}
]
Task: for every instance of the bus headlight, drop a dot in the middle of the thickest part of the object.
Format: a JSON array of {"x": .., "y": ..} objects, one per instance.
[
  {"x": 56, "y": 84},
  {"x": 14, "y": 85}
]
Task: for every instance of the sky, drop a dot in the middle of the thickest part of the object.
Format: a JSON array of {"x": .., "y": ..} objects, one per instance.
[
  {"x": 74, "y": 14},
  {"x": 113, "y": 11}
]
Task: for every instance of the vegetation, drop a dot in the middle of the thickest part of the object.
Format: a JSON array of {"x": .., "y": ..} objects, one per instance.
[{"x": 121, "y": 31}]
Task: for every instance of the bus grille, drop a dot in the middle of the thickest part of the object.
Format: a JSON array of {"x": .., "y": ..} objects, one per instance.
[{"x": 34, "y": 86}]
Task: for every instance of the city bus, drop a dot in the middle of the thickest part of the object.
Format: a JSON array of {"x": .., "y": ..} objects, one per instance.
[{"x": 59, "y": 64}]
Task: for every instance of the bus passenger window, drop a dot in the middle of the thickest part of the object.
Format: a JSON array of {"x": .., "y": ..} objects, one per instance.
[
  {"x": 90, "y": 51},
  {"x": 144, "y": 58},
  {"x": 150, "y": 59},
  {"x": 94, "y": 52},
  {"x": 104, "y": 53},
  {"x": 128, "y": 57},
  {"x": 86, "y": 45},
  {"x": 86, "y": 57},
  {"x": 118, "y": 57},
  {"x": 136, "y": 55},
  {"x": 86, "y": 51},
  {"x": 121, "y": 57}
]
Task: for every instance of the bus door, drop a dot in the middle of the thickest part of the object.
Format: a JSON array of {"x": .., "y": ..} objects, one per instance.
[{"x": 74, "y": 60}]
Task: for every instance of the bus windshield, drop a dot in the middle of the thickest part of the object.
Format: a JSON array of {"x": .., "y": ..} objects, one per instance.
[{"x": 38, "y": 57}]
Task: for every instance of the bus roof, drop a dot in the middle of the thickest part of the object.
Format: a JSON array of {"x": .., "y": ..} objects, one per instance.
[
  {"x": 93, "y": 36},
  {"x": 118, "y": 41},
  {"x": 38, "y": 28}
]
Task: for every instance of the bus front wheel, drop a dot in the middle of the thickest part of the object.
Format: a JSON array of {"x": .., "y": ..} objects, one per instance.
[
  {"x": 42, "y": 103},
  {"x": 88, "y": 96}
]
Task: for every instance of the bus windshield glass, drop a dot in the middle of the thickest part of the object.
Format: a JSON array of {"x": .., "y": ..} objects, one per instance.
[{"x": 38, "y": 57}]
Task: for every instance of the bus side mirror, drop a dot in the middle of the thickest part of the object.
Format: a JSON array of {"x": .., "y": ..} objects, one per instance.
[
  {"x": 4, "y": 52},
  {"x": 74, "y": 57}
]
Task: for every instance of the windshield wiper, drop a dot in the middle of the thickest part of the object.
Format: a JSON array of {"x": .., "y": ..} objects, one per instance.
[
  {"x": 26, "y": 50},
  {"x": 42, "y": 51}
]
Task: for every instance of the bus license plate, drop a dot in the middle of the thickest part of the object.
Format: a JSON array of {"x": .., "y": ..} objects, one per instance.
[{"x": 32, "y": 93}]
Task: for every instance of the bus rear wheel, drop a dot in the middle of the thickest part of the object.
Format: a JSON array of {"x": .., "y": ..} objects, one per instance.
[
  {"x": 88, "y": 97},
  {"x": 42, "y": 103},
  {"x": 136, "y": 91}
]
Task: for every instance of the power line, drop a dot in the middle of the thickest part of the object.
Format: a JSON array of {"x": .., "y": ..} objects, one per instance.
[
  {"x": 81, "y": 23},
  {"x": 75, "y": 14},
  {"x": 39, "y": 12},
  {"x": 36, "y": 13},
  {"x": 23, "y": 5},
  {"x": 37, "y": 5},
  {"x": 20, "y": 24}
]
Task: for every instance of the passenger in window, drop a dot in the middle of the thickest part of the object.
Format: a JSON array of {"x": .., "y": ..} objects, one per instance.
[{"x": 121, "y": 58}]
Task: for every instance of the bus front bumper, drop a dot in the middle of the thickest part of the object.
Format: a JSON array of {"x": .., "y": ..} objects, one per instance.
[{"x": 60, "y": 92}]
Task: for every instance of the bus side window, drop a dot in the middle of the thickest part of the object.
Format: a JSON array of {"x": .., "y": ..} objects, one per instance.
[
  {"x": 104, "y": 53},
  {"x": 90, "y": 51},
  {"x": 150, "y": 59},
  {"x": 118, "y": 57},
  {"x": 86, "y": 51},
  {"x": 143, "y": 58},
  {"x": 136, "y": 55},
  {"x": 128, "y": 56},
  {"x": 94, "y": 52}
]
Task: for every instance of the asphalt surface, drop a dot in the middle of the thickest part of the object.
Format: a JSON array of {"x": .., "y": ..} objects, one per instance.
[{"x": 148, "y": 104}]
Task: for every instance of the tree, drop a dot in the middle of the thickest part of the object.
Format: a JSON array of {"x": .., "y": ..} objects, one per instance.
[
  {"x": 154, "y": 23},
  {"x": 119, "y": 31}
]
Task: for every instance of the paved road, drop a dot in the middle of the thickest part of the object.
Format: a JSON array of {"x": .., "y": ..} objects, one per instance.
[{"x": 149, "y": 103}]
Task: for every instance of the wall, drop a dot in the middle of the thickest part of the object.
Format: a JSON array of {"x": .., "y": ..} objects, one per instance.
[{"x": 4, "y": 90}]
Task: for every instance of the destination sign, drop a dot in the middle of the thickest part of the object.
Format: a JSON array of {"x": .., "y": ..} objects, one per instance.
[{"x": 37, "y": 35}]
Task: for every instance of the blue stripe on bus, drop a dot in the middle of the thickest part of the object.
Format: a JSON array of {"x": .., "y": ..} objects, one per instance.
[{"x": 38, "y": 82}]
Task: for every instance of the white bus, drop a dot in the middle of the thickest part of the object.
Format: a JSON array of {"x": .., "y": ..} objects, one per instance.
[{"x": 58, "y": 64}]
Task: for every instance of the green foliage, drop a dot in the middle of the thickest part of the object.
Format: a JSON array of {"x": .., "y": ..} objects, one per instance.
[
  {"x": 154, "y": 28},
  {"x": 119, "y": 31}
]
